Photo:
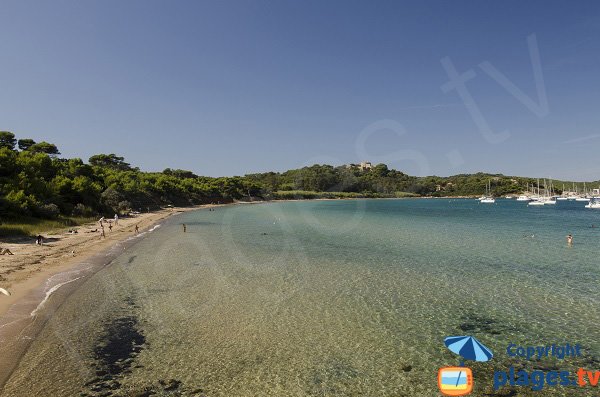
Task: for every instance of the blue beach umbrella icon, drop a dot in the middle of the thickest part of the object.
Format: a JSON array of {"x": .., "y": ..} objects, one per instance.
[{"x": 468, "y": 348}]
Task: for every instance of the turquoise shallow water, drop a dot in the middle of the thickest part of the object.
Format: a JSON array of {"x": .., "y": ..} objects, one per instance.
[{"x": 326, "y": 298}]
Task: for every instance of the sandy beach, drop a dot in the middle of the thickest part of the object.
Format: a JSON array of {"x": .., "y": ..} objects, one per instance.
[{"x": 31, "y": 264}]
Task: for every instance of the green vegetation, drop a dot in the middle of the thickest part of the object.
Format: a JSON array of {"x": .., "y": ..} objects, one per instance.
[
  {"x": 28, "y": 226},
  {"x": 38, "y": 186},
  {"x": 306, "y": 194}
]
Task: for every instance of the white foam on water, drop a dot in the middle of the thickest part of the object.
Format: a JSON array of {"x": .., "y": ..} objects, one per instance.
[
  {"x": 11, "y": 322},
  {"x": 49, "y": 293},
  {"x": 153, "y": 228},
  {"x": 142, "y": 234}
]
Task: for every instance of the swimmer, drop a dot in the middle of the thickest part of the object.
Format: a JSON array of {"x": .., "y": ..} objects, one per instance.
[{"x": 569, "y": 239}]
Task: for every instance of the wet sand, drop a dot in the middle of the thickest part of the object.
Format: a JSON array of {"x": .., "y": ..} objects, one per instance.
[
  {"x": 32, "y": 264},
  {"x": 56, "y": 269}
]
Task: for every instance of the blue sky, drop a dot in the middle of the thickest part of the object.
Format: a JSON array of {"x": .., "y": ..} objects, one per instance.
[{"x": 234, "y": 87}]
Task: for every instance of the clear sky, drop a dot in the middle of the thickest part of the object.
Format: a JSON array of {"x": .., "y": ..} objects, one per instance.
[{"x": 234, "y": 87}]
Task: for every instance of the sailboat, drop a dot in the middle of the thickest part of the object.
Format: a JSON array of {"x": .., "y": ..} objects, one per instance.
[
  {"x": 524, "y": 197},
  {"x": 565, "y": 195},
  {"x": 487, "y": 198},
  {"x": 594, "y": 203},
  {"x": 536, "y": 200},
  {"x": 584, "y": 197},
  {"x": 549, "y": 198}
]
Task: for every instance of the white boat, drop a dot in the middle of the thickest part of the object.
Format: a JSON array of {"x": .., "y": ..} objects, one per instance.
[
  {"x": 546, "y": 199},
  {"x": 565, "y": 195},
  {"x": 594, "y": 204},
  {"x": 523, "y": 198},
  {"x": 550, "y": 199},
  {"x": 487, "y": 197},
  {"x": 582, "y": 199},
  {"x": 535, "y": 202}
]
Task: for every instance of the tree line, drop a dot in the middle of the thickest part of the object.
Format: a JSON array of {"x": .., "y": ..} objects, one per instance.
[{"x": 35, "y": 181}]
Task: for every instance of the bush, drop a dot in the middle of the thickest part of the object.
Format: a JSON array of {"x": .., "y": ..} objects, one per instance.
[
  {"x": 405, "y": 194},
  {"x": 111, "y": 198},
  {"x": 124, "y": 207},
  {"x": 83, "y": 211},
  {"x": 49, "y": 211}
]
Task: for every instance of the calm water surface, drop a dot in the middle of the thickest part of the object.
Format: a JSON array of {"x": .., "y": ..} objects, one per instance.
[{"x": 327, "y": 298}]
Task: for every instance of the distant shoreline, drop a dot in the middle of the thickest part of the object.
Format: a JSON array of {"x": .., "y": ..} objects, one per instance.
[{"x": 20, "y": 316}]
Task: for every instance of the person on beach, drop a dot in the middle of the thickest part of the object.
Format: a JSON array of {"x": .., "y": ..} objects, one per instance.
[
  {"x": 5, "y": 251},
  {"x": 39, "y": 240},
  {"x": 184, "y": 227},
  {"x": 569, "y": 240},
  {"x": 110, "y": 226},
  {"x": 137, "y": 229},
  {"x": 116, "y": 219},
  {"x": 102, "y": 234}
]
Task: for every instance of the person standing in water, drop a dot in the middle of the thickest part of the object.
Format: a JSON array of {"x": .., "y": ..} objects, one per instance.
[
  {"x": 184, "y": 227},
  {"x": 569, "y": 240}
]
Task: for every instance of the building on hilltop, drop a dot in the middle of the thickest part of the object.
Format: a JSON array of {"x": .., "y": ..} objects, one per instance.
[{"x": 363, "y": 166}]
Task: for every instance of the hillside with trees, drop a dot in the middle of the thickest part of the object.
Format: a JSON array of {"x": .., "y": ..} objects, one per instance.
[{"x": 36, "y": 182}]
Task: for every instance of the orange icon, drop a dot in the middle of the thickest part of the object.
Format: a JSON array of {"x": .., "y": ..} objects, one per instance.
[{"x": 455, "y": 381}]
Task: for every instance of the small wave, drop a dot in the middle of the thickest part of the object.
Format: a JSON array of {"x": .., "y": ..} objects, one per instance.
[
  {"x": 139, "y": 235},
  {"x": 11, "y": 322},
  {"x": 50, "y": 292},
  {"x": 78, "y": 270}
]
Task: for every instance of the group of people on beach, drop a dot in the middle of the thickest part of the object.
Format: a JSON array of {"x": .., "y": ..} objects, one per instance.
[{"x": 110, "y": 222}]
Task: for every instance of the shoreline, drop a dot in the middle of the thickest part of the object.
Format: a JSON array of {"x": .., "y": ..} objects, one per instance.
[
  {"x": 31, "y": 264},
  {"x": 25, "y": 312},
  {"x": 29, "y": 269}
]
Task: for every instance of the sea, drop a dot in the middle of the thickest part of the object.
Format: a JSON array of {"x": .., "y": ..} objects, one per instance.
[{"x": 326, "y": 298}]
